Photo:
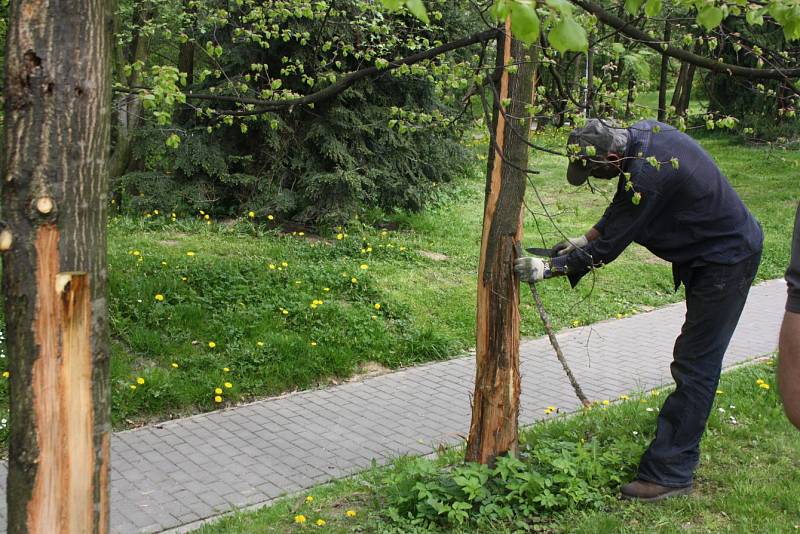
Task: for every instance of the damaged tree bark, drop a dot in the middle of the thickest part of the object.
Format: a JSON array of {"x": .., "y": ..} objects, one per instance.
[
  {"x": 54, "y": 194},
  {"x": 495, "y": 404}
]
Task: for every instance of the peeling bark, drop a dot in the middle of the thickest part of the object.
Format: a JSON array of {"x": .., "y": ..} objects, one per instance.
[
  {"x": 495, "y": 404},
  {"x": 54, "y": 194}
]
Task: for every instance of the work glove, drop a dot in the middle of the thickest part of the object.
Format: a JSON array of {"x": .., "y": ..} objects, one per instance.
[
  {"x": 568, "y": 245},
  {"x": 529, "y": 269}
]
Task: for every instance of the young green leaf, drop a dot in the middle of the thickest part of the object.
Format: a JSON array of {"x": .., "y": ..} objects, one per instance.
[
  {"x": 633, "y": 6},
  {"x": 652, "y": 8},
  {"x": 524, "y": 22},
  {"x": 417, "y": 9},
  {"x": 710, "y": 17},
  {"x": 568, "y": 35}
]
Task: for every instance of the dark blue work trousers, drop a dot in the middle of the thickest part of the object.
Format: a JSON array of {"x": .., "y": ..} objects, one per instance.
[{"x": 715, "y": 297}]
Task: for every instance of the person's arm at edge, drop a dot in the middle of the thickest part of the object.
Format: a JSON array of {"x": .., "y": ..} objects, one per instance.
[{"x": 789, "y": 343}]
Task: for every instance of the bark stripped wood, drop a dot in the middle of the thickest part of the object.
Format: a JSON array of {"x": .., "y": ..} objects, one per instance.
[
  {"x": 57, "y": 110},
  {"x": 495, "y": 404}
]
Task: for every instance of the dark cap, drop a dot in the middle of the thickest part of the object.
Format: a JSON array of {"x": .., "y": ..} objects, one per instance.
[{"x": 585, "y": 148}]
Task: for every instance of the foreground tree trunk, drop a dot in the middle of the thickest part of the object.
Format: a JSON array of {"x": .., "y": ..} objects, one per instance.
[
  {"x": 57, "y": 111},
  {"x": 495, "y": 404}
]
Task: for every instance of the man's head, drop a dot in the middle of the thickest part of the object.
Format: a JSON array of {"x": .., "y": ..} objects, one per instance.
[{"x": 595, "y": 150}]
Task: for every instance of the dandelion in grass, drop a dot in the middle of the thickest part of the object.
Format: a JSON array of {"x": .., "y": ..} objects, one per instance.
[
  {"x": 759, "y": 381},
  {"x": 140, "y": 381},
  {"x": 251, "y": 214},
  {"x": 374, "y": 317},
  {"x": 606, "y": 402},
  {"x": 133, "y": 387},
  {"x": 228, "y": 385},
  {"x": 377, "y": 305},
  {"x": 190, "y": 253},
  {"x": 576, "y": 323},
  {"x": 339, "y": 236},
  {"x": 354, "y": 280},
  {"x": 363, "y": 266},
  {"x": 272, "y": 266},
  {"x": 218, "y": 391},
  {"x": 159, "y": 297},
  {"x": 299, "y": 519},
  {"x": 284, "y": 264},
  {"x": 260, "y": 343},
  {"x": 313, "y": 343},
  {"x": 226, "y": 370},
  {"x": 350, "y": 513},
  {"x": 270, "y": 217},
  {"x": 207, "y": 217},
  {"x": 217, "y": 399},
  {"x": 764, "y": 386},
  {"x": 320, "y": 522},
  {"x": 720, "y": 392},
  {"x": 175, "y": 365},
  {"x": 326, "y": 289},
  {"x": 211, "y": 344},
  {"x": 309, "y": 498},
  {"x": 6, "y": 374},
  {"x": 623, "y": 397},
  {"x": 301, "y": 233}
]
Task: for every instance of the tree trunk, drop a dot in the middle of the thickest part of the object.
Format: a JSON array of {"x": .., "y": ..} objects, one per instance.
[
  {"x": 676, "y": 93},
  {"x": 662, "y": 82},
  {"x": 686, "y": 93},
  {"x": 57, "y": 111},
  {"x": 495, "y": 404}
]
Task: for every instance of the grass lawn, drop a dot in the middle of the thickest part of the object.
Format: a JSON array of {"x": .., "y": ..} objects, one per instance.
[
  {"x": 748, "y": 480},
  {"x": 207, "y": 313}
]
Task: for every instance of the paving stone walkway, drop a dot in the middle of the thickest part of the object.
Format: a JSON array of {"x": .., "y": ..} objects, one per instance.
[{"x": 177, "y": 473}]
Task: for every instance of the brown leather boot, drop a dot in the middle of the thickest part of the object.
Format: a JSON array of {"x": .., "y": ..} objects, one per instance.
[{"x": 641, "y": 490}]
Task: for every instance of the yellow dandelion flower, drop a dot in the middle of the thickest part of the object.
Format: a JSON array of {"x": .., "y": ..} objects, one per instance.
[
  {"x": 350, "y": 513},
  {"x": 576, "y": 322},
  {"x": 320, "y": 522},
  {"x": 164, "y": 263},
  {"x": 251, "y": 214},
  {"x": 260, "y": 343},
  {"x": 6, "y": 374},
  {"x": 173, "y": 215},
  {"x": 364, "y": 266},
  {"x": 326, "y": 289},
  {"x": 310, "y": 498},
  {"x": 133, "y": 387},
  {"x": 140, "y": 380},
  {"x": 759, "y": 381},
  {"x": 369, "y": 249},
  {"x": 402, "y": 249},
  {"x": 624, "y": 397},
  {"x": 285, "y": 312},
  {"x": 217, "y": 399},
  {"x": 374, "y": 317},
  {"x": 301, "y": 233},
  {"x": 764, "y": 386},
  {"x": 353, "y": 280},
  {"x": 136, "y": 253},
  {"x": 228, "y": 385},
  {"x": 339, "y": 236},
  {"x": 270, "y": 217},
  {"x": 377, "y": 305},
  {"x": 720, "y": 392},
  {"x": 206, "y": 217},
  {"x": 300, "y": 519},
  {"x": 605, "y": 402},
  {"x": 175, "y": 365},
  {"x": 272, "y": 266},
  {"x": 211, "y": 344},
  {"x": 313, "y": 343},
  {"x": 190, "y": 253},
  {"x": 284, "y": 264},
  {"x": 298, "y": 282},
  {"x": 226, "y": 370},
  {"x": 218, "y": 391},
  {"x": 183, "y": 278},
  {"x": 159, "y": 297},
  {"x": 155, "y": 212},
  {"x": 202, "y": 212}
]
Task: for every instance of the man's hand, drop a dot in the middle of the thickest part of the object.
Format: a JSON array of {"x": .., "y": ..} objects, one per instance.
[
  {"x": 529, "y": 269},
  {"x": 568, "y": 245}
]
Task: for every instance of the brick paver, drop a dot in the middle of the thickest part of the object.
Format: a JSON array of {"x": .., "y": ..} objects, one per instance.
[{"x": 185, "y": 470}]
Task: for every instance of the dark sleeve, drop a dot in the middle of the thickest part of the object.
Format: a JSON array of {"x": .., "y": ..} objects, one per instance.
[
  {"x": 793, "y": 273},
  {"x": 623, "y": 220}
]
